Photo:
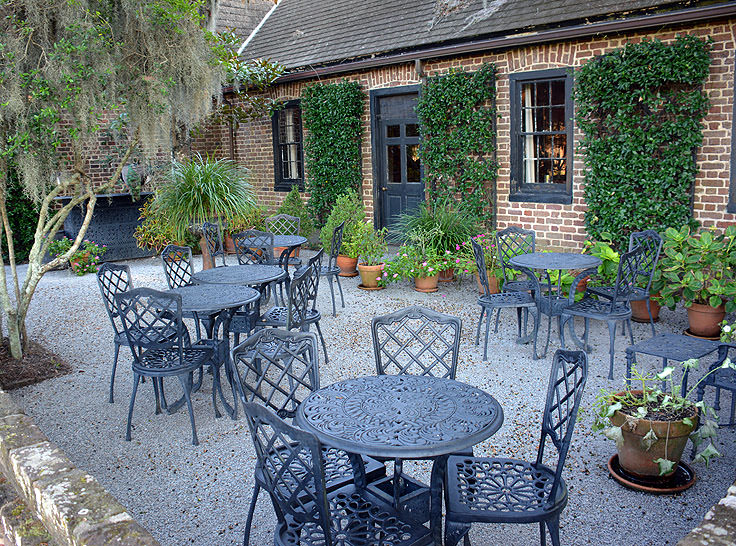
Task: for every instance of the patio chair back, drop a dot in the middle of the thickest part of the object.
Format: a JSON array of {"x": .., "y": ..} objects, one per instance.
[
  {"x": 254, "y": 247},
  {"x": 293, "y": 472},
  {"x": 113, "y": 279},
  {"x": 511, "y": 242},
  {"x": 416, "y": 341},
  {"x": 152, "y": 321},
  {"x": 651, "y": 242},
  {"x": 626, "y": 277},
  {"x": 177, "y": 262},
  {"x": 335, "y": 247},
  {"x": 480, "y": 263},
  {"x": 565, "y": 389},
  {"x": 297, "y": 308},
  {"x": 213, "y": 238},
  {"x": 315, "y": 262},
  {"x": 279, "y": 369},
  {"x": 283, "y": 224}
]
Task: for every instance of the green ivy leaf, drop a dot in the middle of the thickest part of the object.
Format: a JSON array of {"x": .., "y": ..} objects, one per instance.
[
  {"x": 707, "y": 454},
  {"x": 665, "y": 466}
]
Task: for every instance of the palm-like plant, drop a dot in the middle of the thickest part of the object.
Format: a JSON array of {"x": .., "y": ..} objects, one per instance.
[
  {"x": 201, "y": 189},
  {"x": 442, "y": 225}
]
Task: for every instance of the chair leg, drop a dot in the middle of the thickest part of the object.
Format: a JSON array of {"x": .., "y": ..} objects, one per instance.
[
  {"x": 339, "y": 287},
  {"x": 251, "y": 510},
  {"x": 322, "y": 339},
  {"x": 186, "y": 384},
  {"x": 549, "y": 330},
  {"x": 114, "y": 367},
  {"x": 542, "y": 534},
  {"x": 612, "y": 337},
  {"x": 156, "y": 395},
  {"x": 332, "y": 295},
  {"x": 216, "y": 387},
  {"x": 456, "y": 530},
  {"x": 498, "y": 316},
  {"x": 164, "y": 405},
  {"x": 488, "y": 325},
  {"x": 480, "y": 320},
  {"x": 518, "y": 319},
  {"x": 651, "y": 319},
  {"x": 631, "y": 332},
  {"x": 554, "y": 530},
  {"x": 136, "y": 380},
  {"x": 563, "y": 320}
]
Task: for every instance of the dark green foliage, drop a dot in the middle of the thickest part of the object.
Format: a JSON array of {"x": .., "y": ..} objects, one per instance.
[
  {"x": 22, "y": 215},
  {"x": 294, "y": 206},
  {"x": 457, "y": 118},
  {"x": 640, "y": 110},
  {"x": 332, "y": 116}
]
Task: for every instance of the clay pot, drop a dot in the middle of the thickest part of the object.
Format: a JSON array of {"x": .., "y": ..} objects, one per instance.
[
  {"x": 639, "y": 309},
  {"x": 632, "y": 456},
  {"x": 492, "y": 284},
  {"x": 369, "y": 274},
  {"x": 347, "y": 266},
  {"x": 705, "y": 320},
  {"x": 447, "y": 275},
  {"x": 206, "y": 261},
  {"x": 229, "y": 244},
  {"x": 583, "y": 286},
  {"x": 426, "y": 284}
]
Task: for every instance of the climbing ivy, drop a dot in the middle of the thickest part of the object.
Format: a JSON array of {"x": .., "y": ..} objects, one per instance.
[
  {"x": 457, "y": 118},
  {"x": 332, "y": 116},
  {"x": 640, "y": 109}
]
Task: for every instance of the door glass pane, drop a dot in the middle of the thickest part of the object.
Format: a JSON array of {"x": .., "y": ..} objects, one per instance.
[
  {"x": 393, "y": 131},
  {"x": 412, "y": 129},
  {"x": 412, "y": 163},
  {"x": 393, "y": 169}
]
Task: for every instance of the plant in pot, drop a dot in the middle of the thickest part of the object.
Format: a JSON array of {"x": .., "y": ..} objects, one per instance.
[
  {"x": 349, "y": 209},
  {"x": 201, "y": 189},
  {"x": 607, "y": 271},
  {"x": 449, "y": 225},
  {"x": 699, "y": 269},
  {"x": 465, "y": 261},
  {"x": 371, "y": 248},
  {"x": 651, "y": 427},
  {"x": 294, "y": 206}
]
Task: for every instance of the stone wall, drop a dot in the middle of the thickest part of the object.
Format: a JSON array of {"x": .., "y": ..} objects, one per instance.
[{"x": 556, "y": 225}]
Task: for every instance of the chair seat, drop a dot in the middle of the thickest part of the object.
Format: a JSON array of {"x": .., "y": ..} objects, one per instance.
[
  {"x": 495, "y": 489},
  {"x": 356, "y": 518},
  {"x": 276, "y": 316},
  {"x": 166, "y": 361},
  {"x": 593, "y": 308},
  {"x": 637, "y": 293},
  {"x": 507, "y": 299}
]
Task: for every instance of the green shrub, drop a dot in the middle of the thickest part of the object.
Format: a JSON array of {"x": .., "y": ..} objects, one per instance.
[
  {"x": 253, "y": 219},
  {"x": 349, "y": 209},
  {"x": 22, "y": 216},
  {"x": 332, "y": 116},
  {"x": 155, "y": 231},
  {"x": 294, "y": 206},
  {"x": 640, "y": 109}
]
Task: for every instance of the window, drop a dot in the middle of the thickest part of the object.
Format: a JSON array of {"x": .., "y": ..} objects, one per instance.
[
  {"x": 541, "y": 136},
  {"x": 287, "y": 147}
]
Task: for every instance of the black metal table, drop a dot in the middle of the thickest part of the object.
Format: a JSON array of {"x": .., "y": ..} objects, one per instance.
[
  {"x": 403, "y": 416},
  {"x": 211, "y": 299},
  {"x": 245, "y": 275}
]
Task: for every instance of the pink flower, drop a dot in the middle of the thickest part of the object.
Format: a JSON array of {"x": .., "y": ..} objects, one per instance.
[
  {"x": 424, "y": 264},
  {"x": 457, "y": 260},
  {"x": 396, "y": 275},
  {"x": 405, "y": 255},
  {"x": 466, "y": 271},
  {"x": 431, "y": 268},
  {"x": 457, "y": 247}
]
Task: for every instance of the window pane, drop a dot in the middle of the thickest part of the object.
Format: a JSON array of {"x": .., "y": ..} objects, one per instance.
[
  {"x": 393, "y": 131},
  {"x": 544, "y": 146},
  {"x": 393, "y": 154},
  {"x": 560, "y": 146},
  {"x": 541, "y": 119},
  {"x": 558, "y": 92},
  {"x": 542, "y": 98},
  {"x": 412, "y": 129},
  {"x": 412, "y": 163},
  {"x": 558, "y": 119}
]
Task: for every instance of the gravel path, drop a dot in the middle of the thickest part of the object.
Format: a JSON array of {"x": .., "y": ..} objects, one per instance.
[{"x": 199, "y": 495}]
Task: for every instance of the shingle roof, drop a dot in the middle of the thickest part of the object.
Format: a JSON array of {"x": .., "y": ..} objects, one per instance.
[{"x": 302, "y": 33}]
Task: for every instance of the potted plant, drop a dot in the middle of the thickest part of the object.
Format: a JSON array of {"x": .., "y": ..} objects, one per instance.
[
  {"x": 294, "y": 206},
  {"x": 610, "y": 259},
  {"x": 200, "y": 189},
  {"x": 412, "y": 262},
  {"x": 349, "y": 209},
  {"x": 465, "y": 261},
  {"x": 371, "y": 248},
  {"x": 255, "y": 218},
  {"x": 639, "y": 307},
  {"x": 699, "y": 269},
  {"x": 651, "y": 427}
]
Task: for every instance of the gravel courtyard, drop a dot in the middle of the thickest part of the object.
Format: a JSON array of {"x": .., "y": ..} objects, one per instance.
[{"x": 199, "y": 495}]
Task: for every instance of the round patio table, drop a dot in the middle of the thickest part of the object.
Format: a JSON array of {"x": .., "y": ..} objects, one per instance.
[
  {"x": 405, "y": 417},
  {"x": 247, "y": 275}
]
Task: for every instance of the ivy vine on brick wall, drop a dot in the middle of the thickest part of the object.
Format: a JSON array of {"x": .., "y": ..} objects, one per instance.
[
  {"x": 332, "y": 116},
  {"x": 457, "y": 116},
  {"x": 640, "y": 108}
]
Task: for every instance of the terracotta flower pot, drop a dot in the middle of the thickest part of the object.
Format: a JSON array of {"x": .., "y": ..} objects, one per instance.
[
  {"x": 206, "y": 261},
  {"x": 426, "y": 284},
  {"x": 369, "y": 274},
  {"x": 704, "y": 319},
  {"x": 583, "y": 286},
  {"x": 229, "y": 244},
  {"x": 492, "y": 283},
  {"x": 672, "y": 439},
  {"x": 639, "y": 309},
  {"x": 347, "y": 266},
  {"x": 447, "y": 275}
]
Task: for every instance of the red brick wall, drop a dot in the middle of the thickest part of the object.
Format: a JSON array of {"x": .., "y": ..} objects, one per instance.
[{"x": 556, "y": 225}]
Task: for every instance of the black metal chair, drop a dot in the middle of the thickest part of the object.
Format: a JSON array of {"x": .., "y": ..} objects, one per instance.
[
  {"x": 511, "y": 242},
  {"x": 498, "y": 490},
  {"x": 161, "y": 347},
  {"x": 279, "y": 370},
  {"x": 505, "y": 300},
  {"x": 651, "y": 243},
  {"x": 331, "y": 270},
  {"x": 254, "y": 247},
  {"x": 612, "y": 311},
  {"x": 212, "y": 234},
  {"x": 294, "y": 474},
  {"x": 300, "y": 310},
  {"x": 114, "y": 279},
  {"x": 283, "y": 224}
]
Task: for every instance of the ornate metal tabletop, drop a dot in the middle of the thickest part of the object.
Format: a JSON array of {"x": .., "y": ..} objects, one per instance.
[
  {"x": 289, "y": 240},
  {"x": 251, "y": 274},
  {"x": 207, "y": 298},
  {"x": 555, "y": 260},
  {"x": 401, "y": 416}
]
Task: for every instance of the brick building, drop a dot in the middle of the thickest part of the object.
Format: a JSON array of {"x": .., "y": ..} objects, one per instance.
[{"x": 390, "y": 47}]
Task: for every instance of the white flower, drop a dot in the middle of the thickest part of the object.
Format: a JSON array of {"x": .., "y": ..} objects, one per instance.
[{"x": 726, "y": 328}]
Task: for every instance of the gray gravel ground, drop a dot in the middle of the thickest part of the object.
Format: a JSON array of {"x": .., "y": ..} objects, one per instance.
[{"x": 199, "y": 495}]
